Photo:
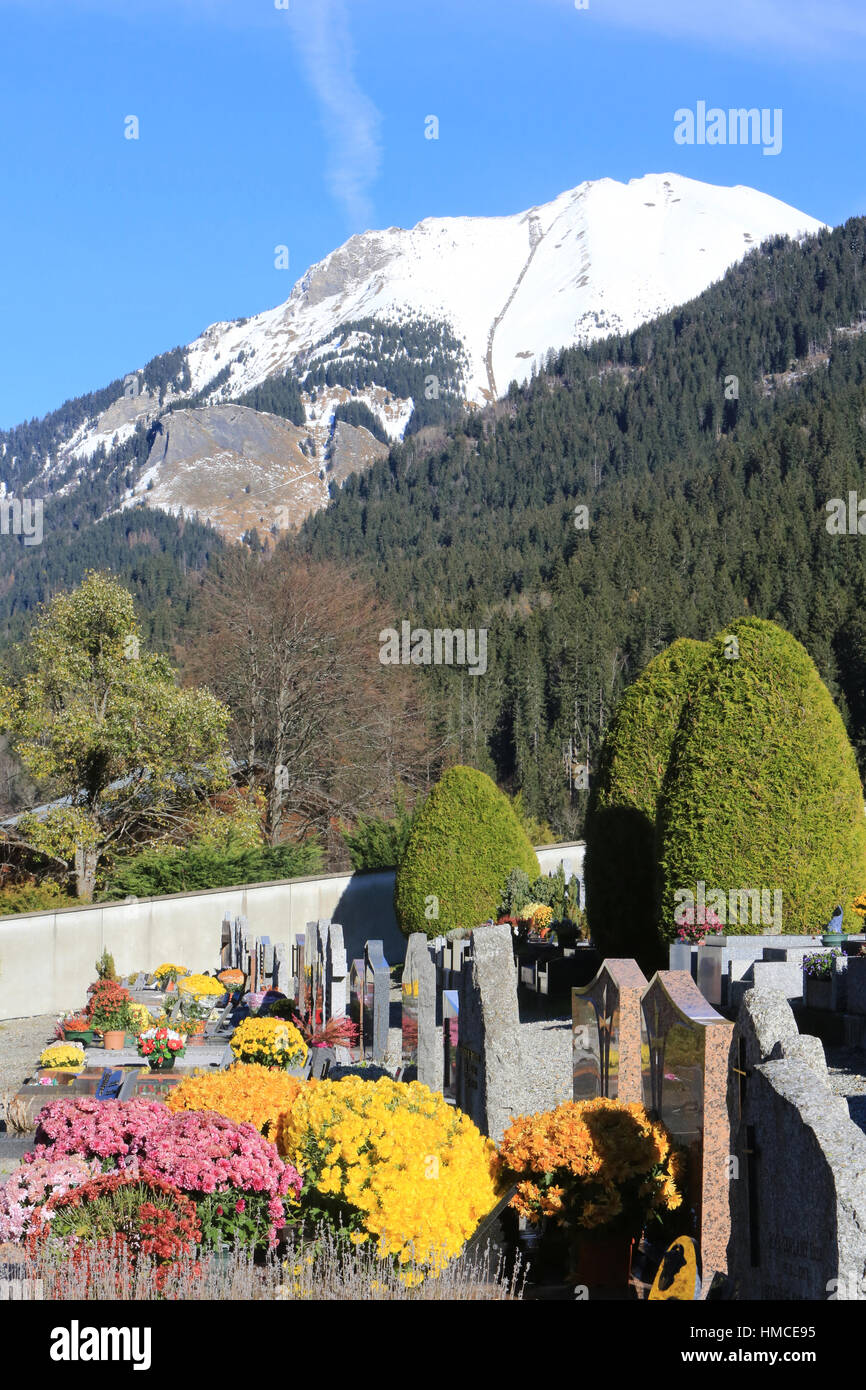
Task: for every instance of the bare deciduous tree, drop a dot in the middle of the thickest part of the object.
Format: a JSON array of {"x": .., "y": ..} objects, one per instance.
[{"x": 327, "y": 731}]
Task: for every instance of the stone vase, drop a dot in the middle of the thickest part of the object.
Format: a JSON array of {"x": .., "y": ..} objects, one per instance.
[{"x": 819, "y": 992}]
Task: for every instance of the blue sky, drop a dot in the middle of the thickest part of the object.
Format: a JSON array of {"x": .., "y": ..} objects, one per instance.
[{"x": 301, "y": 125}]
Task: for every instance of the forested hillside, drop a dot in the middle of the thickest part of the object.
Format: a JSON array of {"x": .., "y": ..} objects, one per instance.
[{"x": 705, "y": 447}]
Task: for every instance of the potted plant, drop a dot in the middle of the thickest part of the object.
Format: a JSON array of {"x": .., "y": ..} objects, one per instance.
[
  {"x": 819, "y": 979},
  {"x": 77, "y": 1028},
  {"x": 167, "y": 975},
  {"x": 592, "y": 1174},
  {"x": 110, "y": 1015},
  {"x": 62, "y": 1058},
  {"x": 193, "y": 1019},
  {"x": 161, "y": 1047},
  {"x": 232, "y": 981}
]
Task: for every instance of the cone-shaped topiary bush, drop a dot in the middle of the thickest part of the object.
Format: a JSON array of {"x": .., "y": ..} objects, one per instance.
[
  {"x": 761, "y": 792},
  {"x": 462, "y": 845},
  {"x": 620, "y": 868}
]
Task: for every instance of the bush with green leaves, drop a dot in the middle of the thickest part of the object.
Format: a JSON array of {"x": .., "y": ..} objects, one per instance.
[
  {"x": 464, "y": 842},
  {"x": 762, "y": 791},
  {"x": 553, "y": 890},
  {"x": 183, "y": 870},
  {"x": 46, "y": 896},
  {"x": 620, "y": 869},
  {"x": 376, "y": 842}
]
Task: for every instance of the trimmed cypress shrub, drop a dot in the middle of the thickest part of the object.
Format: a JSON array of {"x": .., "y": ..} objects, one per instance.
[
  {"x": 620, "y": 867},
  {"x": 762, "y": 790},
  {"x": 463, "y": 843}
]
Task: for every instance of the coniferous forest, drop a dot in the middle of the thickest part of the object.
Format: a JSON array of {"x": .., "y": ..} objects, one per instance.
[
  {"x": 650, "y": 486},
  {"x": 704, "y": 446}
]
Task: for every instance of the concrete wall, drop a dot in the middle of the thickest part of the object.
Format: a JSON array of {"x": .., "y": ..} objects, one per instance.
[{"x": 47, "y": 958}]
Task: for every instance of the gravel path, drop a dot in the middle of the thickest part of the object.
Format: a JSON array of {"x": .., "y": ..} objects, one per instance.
[
  {"x": 21, "y": 1041},
  {"x": 545, "y": 1046}
]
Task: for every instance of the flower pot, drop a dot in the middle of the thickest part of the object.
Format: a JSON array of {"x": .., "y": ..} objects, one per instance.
[
  {"x": 70, "y": 1035},
  {"x": 601, "y": 1261},
  {"x": 113, "y": 1039},
  {"x": 130, "y": 1039},
  {"x": 832, "y": 938},
  {"x": 162, "y": 1063}
]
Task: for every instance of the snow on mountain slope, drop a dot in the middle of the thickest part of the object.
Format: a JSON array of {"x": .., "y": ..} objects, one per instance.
[
  {"x": 465, "y": 304},
  {"x": 601, "y": 258}
]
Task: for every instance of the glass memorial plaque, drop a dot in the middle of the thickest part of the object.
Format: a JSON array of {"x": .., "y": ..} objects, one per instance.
[
  {"x": 409, "y": 1021},
  {"x": 586, "y": 1052},
  {"x": 450, "y": 1032},
  {"x": 367, "y": 998}
]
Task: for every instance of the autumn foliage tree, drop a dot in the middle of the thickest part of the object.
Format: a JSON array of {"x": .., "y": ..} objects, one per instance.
[{"x": 318, "y": 723}]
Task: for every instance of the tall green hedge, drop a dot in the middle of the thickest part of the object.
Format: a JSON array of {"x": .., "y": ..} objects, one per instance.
[
  {"x": 462, "y": 845},
  {"x": 762, "y": 789},
  {"x": 620, "y": 867}
]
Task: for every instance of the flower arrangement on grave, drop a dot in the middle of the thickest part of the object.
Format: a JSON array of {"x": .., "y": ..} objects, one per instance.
[
  {"x": 696, "y": 923},
  {"x": 140, "y": 1018},
  {"x": 111, "y": 1016},
  {"x": 65, "y": 1056},
  {"x": 73, "y": 1023},
  {"x": 593, "y": 1164},
  {"x": 108, "y": 1008},
  {"x": 193, "y": 1015},
  {"x": 203, "y": 1155},
  {"x": 26, "y": 1191},
  {"x": 136, "y": 1214},
  {"x": 161, "y": 1046},
  {"x": 336, "y": 1032},
  {"x": 168, "y": 974},
  {"x": 222, "y": 1164},
  {"x": 246, "y": 1093},
  {"x": 232, "y": 979},
  {"x": 272, "y": 1042},
  {"x": 820, "y": 965},
  {"x": 201, "y": 986},
  {"x": 392, "y": 1164}
]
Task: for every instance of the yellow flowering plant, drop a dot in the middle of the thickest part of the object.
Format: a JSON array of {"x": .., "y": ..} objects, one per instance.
[
  {"x": 200, "y": 985},
  {"x": 245, "y": 1093},
  {"x": 167, "y": 973},
  {"x": 66, "y": 1056},
  {"x": 859, "y": 905},
  {"x": 391, "y": 1163},
  {"x": 593, "y": 1163},
  {"x": 140, "y": 1018},
  {"x": 272, "y": 1042}
]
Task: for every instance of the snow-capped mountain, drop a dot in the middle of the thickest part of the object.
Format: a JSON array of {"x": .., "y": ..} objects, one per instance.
[
  {"x": 386, "y": 329},
  {"x": 600, "y": 259}
]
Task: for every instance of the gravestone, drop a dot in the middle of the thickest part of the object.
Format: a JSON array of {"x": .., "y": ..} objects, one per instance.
[
  {"x": 311, "y": 962},
  {"x": 282, "y": 972},
  {"x": 299, "y": 951},
  {"x": 686, "y": 1049},
  {"x": 336, "y": 971},
  {"x": 798, "y": 1209},
  {"x": 376, "y": 1002},
  {"x": 421, "y": 1053},
  {"x": 606, "y": 1033},
  {"x": 356, "y": 1000},
  {"x": 489, "y": 1083}
]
